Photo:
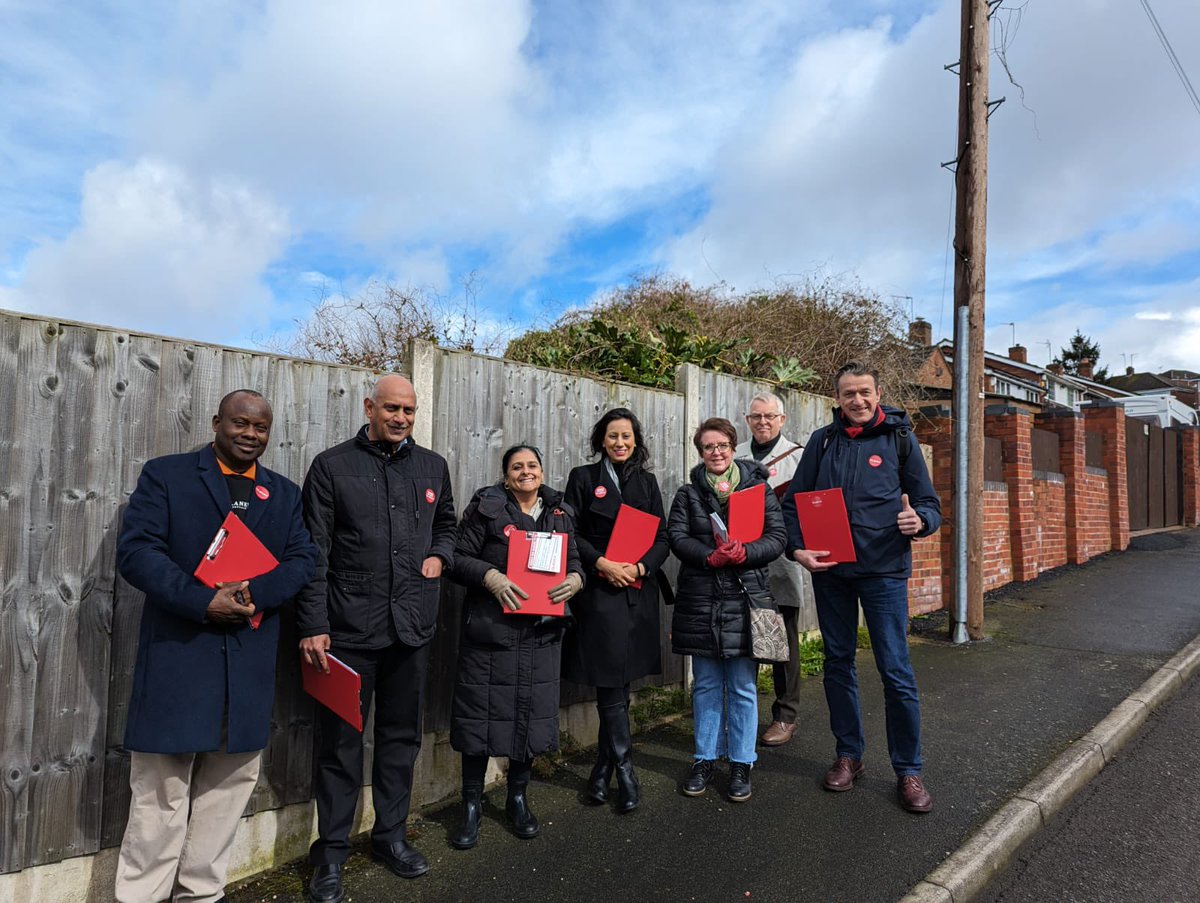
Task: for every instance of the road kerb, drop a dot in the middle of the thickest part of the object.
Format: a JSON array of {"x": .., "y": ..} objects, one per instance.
[{"x": 969, "y": 869}]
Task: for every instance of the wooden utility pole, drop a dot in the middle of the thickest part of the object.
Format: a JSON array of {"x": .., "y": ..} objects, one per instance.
[{"x": 970, "y": 245}]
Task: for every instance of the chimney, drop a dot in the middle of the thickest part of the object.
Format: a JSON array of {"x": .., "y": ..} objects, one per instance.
[
  {"x": 920, "y": 332},
  {"x": 1129, "y": 371},
  {"x": 1085, "y": 368},
  {"x": 1055, "y": 368},
  {"x": 1017, "y": 353}
]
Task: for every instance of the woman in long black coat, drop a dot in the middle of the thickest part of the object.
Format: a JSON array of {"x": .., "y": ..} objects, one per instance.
[
  {"x": 506, "y": 690},
  {"x": 615, "y": 637}
]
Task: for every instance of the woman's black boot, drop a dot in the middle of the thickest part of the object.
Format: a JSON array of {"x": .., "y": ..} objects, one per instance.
[
  {"x": 523, "y": 821},
  {"x": 602, "y": 771},
  {"x": 616, "y": 724},
  {"x": 467, "y": 833}
]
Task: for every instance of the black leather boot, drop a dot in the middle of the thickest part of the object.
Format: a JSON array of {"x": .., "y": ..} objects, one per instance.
[
  {"x": 467, "y": 833},
  {"x": 523, "y": 821},
  {"x": 616, "y": 723},
  {"x": 602, "y": 771}
]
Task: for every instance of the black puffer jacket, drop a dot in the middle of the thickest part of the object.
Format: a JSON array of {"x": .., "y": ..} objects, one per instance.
[
  {"x": 506, "y": 690},
  {"x": 710, "y": 617},
  {"x": 375, "y": 515}
]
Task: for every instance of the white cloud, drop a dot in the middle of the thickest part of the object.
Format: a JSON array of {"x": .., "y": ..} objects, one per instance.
[{"x": 158, "y": 250}]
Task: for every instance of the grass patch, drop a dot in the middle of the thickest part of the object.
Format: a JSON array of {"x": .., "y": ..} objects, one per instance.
[
  {"x": 656, "y": 703},
  {"x": 812, "y": 658}
]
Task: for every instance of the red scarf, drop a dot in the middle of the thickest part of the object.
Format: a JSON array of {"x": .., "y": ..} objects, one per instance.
[{"x": 855, "y": 431}]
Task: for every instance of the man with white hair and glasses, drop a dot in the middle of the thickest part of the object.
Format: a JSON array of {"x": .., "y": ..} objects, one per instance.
[{"x": 789, "y": 582}]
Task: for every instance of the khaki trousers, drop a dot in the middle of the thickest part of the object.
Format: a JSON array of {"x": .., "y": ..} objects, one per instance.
[{"x": 182, "y": 820}]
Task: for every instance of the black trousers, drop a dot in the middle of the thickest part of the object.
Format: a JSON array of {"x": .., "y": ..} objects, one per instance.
[
  {"x": 786, "y": 675},
  {"x": 395, "y": 677}
]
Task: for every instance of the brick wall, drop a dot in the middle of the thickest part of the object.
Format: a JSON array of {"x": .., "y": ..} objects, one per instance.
[
  {"x": 1191, "y": 476},
  {"x": 1094, "y": 535},
  {"x": 1108, "y": 419},
  {"x": 997, "y": 557},
  {"x": 1050, "y": 518}
]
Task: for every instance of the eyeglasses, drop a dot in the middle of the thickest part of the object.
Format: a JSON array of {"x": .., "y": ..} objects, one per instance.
[
  {"x": 769, "y": 418},
  {"x": 718, "y": 447}
]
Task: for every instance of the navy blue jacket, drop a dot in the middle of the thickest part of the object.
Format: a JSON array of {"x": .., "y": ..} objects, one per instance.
[
  {"x": 187, "y": 667},
  {"x": 867, "y": 468}
]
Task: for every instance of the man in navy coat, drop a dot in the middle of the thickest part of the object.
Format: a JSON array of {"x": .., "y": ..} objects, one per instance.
[
  {"x": 203, "y": 686},
  {"x": 870, "y": 453}
]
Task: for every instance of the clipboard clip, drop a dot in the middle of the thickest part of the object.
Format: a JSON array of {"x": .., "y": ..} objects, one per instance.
[{"x": 217, "y": 544}]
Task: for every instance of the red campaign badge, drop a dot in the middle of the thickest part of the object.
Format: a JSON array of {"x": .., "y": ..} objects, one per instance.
[
  {"x": 509, "y": 529},
  {"x": 262, "y": 492},
  {"x": 430, "y": 496},
  {"x": 558, "y": 512},
  {"x": 600, "y": 492},
  {"x": 874, "y": 460},
  {"x": 774, "y": 471},
  {"x": 723, "y": 486}
]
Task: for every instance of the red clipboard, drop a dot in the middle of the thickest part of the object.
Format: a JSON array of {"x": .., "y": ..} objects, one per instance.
[
  {"x": 536, "y": 583},
  {"x": 340, "y": 690},
  {"x": 747, "y": 507},
  {"x": 825, "y": 524},
  {"x": 235, "y": 554},
  {"x": 632, "y": 536}
]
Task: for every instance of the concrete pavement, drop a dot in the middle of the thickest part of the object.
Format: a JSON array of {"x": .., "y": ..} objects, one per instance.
[{"x": 1063, "y": 653}]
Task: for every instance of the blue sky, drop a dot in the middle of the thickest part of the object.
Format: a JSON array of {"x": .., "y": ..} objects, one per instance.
[{"x": 164, "y": 165}]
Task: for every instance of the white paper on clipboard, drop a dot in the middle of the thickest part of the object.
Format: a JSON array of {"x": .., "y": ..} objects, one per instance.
[{"x": 545, "y": 552}]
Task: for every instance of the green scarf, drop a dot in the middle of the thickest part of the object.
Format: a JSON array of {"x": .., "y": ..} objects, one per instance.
[{"x": 732, "y": 476}]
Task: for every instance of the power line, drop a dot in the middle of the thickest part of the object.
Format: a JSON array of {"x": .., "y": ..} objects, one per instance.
[{"x": 1170, "y": 51}]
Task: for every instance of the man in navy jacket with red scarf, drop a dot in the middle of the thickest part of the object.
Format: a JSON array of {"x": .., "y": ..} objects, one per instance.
[
  {"x": 204, "y": 683},
  {"x": 868, "y": 451}
]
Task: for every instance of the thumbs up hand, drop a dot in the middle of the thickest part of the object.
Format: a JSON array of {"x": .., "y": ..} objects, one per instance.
[{"x": 908, "y": 521}]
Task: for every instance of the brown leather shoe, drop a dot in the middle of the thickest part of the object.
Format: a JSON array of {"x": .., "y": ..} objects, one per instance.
[
  {"x": 842, "y": 774},
  {"x": 913, "y": 795},
  {"x": 779, "y": 733}
]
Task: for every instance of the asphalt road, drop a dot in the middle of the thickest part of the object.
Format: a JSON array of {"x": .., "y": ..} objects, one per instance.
[{"x": 1133, "y": 835}]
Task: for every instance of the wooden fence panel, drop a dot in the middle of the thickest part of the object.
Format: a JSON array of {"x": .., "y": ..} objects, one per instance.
[
  {"x": 1137, "y": 462},
  {"x": 1172, "y": 478},
  {"x": 1155, "y": 482},
  {"x": 140, "y": 425}
]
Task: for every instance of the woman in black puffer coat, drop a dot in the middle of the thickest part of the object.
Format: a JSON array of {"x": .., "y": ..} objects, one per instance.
[
  {"x": 506, "y": 690},
  {"x": 711, "y": 621}
]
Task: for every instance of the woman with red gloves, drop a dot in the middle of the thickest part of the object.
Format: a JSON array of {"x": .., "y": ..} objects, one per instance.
[{"x": 711, "y": 621}]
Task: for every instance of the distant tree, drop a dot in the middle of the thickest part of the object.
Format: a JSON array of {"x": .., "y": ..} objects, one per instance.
[
  {"x": 373, "y": 329},
  {"x": 1082, "y": 348}
]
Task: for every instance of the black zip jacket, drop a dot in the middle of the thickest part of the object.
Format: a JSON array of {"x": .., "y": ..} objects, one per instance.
[{"x": 376, "y": 516}]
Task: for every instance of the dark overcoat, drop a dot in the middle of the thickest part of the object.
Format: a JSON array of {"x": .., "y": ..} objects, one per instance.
[
  {"x": 187, "y": 667},
  {"x": 614, "y": 636},
  {"x": 711, "y": 617},
  {"x": 506, "y": 690}
]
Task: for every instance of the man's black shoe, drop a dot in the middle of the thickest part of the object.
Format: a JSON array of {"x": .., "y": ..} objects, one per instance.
[
  {"x": 401, "y": 859},
  {"x": 326, "y": 884},
  {"x": 697, "y": 780},
  {"x": 739, "y": 781}
]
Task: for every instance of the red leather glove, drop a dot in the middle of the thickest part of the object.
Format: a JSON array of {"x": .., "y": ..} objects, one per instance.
[
  {"x": 736, "y": 551},
  {"x": 720, "y": 557}
]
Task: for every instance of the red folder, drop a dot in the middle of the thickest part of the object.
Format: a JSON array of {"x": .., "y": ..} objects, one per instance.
[
  {"x": 632, "y": 536},
  {"x": 746, "y": 510},
  {"x": 536, "y": 583},
  {"x": 235, "y": 554},
  {"x": 340, "y": 690},
  {"x": 825, "y": 524}
]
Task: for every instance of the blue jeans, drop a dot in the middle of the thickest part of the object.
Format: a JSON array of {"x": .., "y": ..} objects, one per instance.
[
  {"x": 885, "y": 609},
  {"x": 725, "y": 707}
]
